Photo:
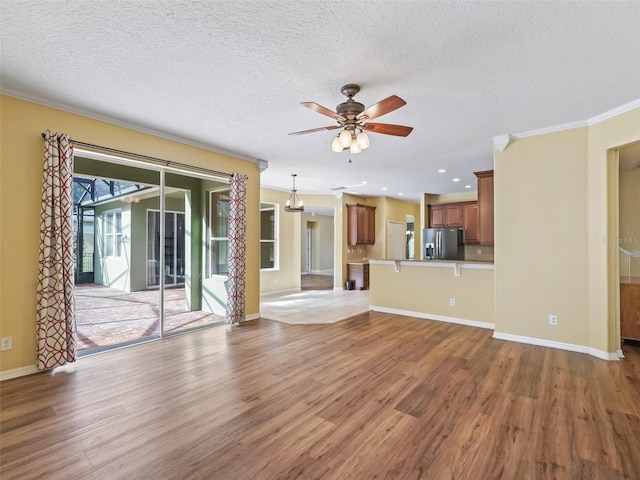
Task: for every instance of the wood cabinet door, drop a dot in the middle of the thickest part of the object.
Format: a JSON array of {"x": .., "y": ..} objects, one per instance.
[
  {"x": 470, "y": 222},
  {"x": 436, "y": 217},
  {"x": 453, "y": 215},
  {"x": 485, "y": 207},
  {"x": 630, "y": 311},
  {"x": 361, "y": 224},
  {"x": 359, "y": 273}
]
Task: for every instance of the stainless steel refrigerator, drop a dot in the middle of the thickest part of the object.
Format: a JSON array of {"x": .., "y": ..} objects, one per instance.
[{"x": 443, "y": 243}]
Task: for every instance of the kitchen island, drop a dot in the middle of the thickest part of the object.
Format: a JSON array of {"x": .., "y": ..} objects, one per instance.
[{"x": 451, "y": 291}]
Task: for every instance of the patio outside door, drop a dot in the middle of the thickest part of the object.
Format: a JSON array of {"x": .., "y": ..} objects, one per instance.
[{"x": 174, "y": 248}]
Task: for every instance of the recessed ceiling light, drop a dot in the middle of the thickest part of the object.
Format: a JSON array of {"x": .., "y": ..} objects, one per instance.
[
  {"x": 384, "y": 188},
  {"x": 401, "y": 194},
  {"x": 456, "y": 179},
  {"x": 442, "y": 170},
  {"x": 467, "y": 186},
  {"x": 364, "y": 182}
]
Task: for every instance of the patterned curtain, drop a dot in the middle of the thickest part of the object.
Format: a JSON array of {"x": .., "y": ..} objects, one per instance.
[
  {"x": 56, "y": 323},
  {"x": 237, "y": 248}
]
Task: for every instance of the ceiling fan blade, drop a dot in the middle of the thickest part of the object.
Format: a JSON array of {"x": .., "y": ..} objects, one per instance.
[
  {"x": 387, "y": 105},
  {"x": 388, "y": 129},
  {"x": 323, "y": 110},
  {"x": 302, "y": 132}
]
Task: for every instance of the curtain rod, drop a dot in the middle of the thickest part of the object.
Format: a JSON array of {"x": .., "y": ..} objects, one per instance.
[{"x": 166, "y": 163}]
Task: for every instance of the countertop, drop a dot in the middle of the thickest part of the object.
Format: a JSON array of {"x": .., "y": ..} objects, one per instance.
[
  {"x": 482, "y": 262},
  {"x": 455, "y": 264}
]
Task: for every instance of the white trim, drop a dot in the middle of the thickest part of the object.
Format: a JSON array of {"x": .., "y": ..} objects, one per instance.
[
  {"x": 559, "y": 345},
  {"x": 497, "y": 140},
  {"x": 18, "y": 372},
  {"x": 614, "y": 112},
  {"x": 253, "y": 316},
  {"x": 429, "y": 316},
  {"x": 620, "y": 353},
  {"x": 129, "y": 125},
  {"x": 625, "y": 252},
  {"x": 327, "y": 271},
  {"x": 501, "y": 141},
  {"x": 552, "y": 129}
]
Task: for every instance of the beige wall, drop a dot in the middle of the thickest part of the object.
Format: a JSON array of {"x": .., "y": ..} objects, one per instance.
[
  {"x": 630, "y": 219},
  {"x": 20, "y": 181},
  {"x": 286, "y": 277},
  {"x": 427, "y": 290},
  {"x": 554, "y": 211}
]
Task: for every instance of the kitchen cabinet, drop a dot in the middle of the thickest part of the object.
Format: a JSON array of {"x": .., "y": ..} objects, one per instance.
[
  {"x": 445, "y": 215},
  {"x": 485, "y": 206},
  {"x": 470, "y": 222},
  {"x": 460, "y": 214},
  {"x": 630, "y": 308},
  {"x": 359, "y": 273},
  {"x": 361, "y": 224}
]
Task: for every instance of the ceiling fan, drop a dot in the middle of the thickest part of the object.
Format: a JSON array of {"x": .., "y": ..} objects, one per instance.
[{"x": 353, "y": 118}]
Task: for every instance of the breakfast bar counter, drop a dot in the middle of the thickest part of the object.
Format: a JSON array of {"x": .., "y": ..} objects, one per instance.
[{"x": 454, "y": 291}]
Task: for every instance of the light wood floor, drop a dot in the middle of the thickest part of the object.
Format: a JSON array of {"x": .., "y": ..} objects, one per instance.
[{"x": 375, "y": 396}]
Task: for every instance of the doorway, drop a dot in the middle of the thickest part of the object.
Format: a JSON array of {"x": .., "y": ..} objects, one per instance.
[
  {"x": 317, "y": 258},
  {"x": 174, "y": 248},
  {"x": 629, "y": 243}
]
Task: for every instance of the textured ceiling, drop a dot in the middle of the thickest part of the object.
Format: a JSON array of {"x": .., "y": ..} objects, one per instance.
[{"x": 231, "y": 75}]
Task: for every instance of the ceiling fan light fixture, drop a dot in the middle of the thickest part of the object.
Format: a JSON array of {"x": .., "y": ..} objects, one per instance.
[
  {"x": 363, "y": 140},
  {"x": 345, "y": 138},
  {"x": 355, "y": 146},
  {"x": 336, "y": 146}
]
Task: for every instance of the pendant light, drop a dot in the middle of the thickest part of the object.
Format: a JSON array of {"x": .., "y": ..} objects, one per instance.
[{"x": 294, "y": 204}]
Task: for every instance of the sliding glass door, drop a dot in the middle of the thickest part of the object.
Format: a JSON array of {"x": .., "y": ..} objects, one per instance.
[{"x": 143, "y": 248}]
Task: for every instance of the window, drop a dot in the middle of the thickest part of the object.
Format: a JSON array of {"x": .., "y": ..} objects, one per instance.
[
  {"x": 113, "y": 233},
  {"x": 268, "y": 240},
  {"x": 218, "y": 232}
]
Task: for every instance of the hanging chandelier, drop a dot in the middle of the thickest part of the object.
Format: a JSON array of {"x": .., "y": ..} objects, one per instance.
[{"x": 294, "y": 204}]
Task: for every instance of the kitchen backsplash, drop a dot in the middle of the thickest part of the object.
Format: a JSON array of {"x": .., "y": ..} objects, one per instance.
[
  {"x": 356, "y": 253},
  {"x": 478, "y": 253}
]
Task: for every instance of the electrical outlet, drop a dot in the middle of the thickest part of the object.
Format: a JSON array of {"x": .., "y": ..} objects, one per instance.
[
  {"x": 553, "y": 319},
  {"x": 479, "y": 251},
  {"x": 5, "y": 343},
  {"x": 452, "y": 302}
]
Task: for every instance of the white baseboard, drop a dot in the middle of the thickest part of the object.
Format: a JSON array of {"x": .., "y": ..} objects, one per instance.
[
  {"x": 18, "y": 372},
  {"x": 428, "y": 316},
  {"x": 559, "y": 345},
  {"x": 253, "y": 316}
]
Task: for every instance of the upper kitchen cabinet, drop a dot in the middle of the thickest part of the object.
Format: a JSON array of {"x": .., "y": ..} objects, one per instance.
[
  {"x": 361, "y": 224},
  {"x": 485, "y": 206},
  {"x": 470, "y": 222},
  {"x": 460, "y": 214},
  {"x": 445, "y": 215}
]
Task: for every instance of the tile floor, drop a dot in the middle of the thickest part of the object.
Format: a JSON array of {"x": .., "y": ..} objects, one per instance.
[{"x": 314, "y": 306}]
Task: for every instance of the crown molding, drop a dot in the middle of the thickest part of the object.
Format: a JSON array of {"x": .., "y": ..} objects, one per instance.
[
  {"x": 627, "y": 107},
  {"x": 262, "y": 164},
  {"x": 499, "y": 140}
]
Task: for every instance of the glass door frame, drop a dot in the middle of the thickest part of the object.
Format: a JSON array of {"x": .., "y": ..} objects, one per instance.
[{"x": 174, "y": 265}]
